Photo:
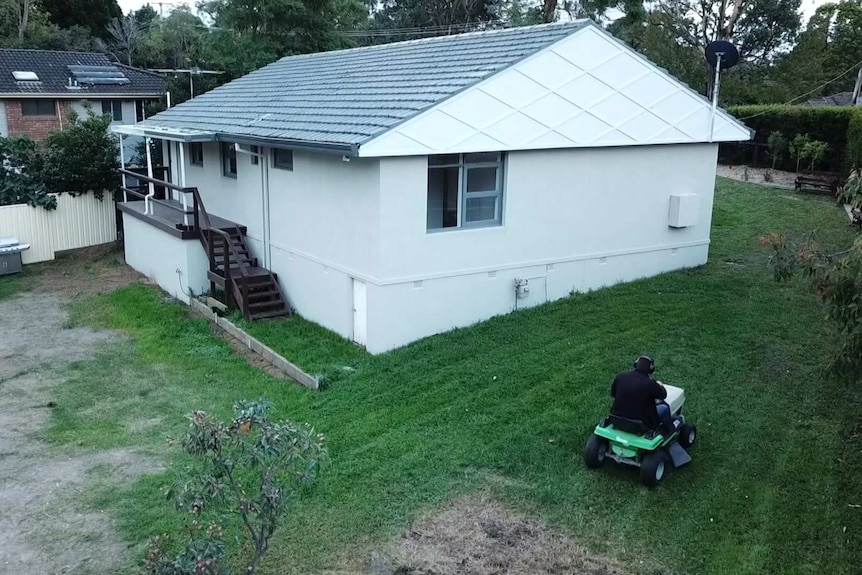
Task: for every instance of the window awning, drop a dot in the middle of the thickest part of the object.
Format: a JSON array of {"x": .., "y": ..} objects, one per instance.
[{"x": 164, "y": 133}]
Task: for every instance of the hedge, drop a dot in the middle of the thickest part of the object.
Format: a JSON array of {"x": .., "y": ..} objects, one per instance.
[{"x": 838, "y": 126}]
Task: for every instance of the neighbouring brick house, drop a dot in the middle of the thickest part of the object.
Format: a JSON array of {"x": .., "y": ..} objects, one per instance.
[{"x": 39, "y": 88}]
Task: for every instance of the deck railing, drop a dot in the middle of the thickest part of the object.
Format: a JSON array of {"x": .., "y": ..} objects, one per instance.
[{"x": 200, "y": 223}]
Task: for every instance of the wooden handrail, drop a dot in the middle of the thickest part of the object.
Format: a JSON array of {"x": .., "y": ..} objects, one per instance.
[
  {"x": 140, "y": 195},
  {"x": 155, "y": 181},
  {"x": 202, "y": 222}
]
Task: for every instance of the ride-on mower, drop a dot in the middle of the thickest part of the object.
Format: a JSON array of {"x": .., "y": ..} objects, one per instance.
[{"x": 630, "y": 442}]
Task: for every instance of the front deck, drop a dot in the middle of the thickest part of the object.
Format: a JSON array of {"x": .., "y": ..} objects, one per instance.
[
  {"x": 170, "y": 216},
  {"x": 232, "y": 269}
]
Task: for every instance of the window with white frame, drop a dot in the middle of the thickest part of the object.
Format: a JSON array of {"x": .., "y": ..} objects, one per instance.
[
  {"x": 113, "y": 108},
  {"x": 255, "y": 152},
  {"x": 465, "y": 190},
  {"x": 228, "y": 159}
]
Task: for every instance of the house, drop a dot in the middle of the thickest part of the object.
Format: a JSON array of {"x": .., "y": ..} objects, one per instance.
[
  {"x": 839, "y": 99},
  {"x": 402, "y": 190},
  {"x": 38, "y": 89}
]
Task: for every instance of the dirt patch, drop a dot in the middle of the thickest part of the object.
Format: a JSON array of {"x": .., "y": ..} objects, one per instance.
[
  {"x": 86, "y": 271},
  {"x": 779, "y": 178},
  {"x": 252, "y": 358},
  {"x": 44, "y": 529},
  {"x": 476, "y": 535}
]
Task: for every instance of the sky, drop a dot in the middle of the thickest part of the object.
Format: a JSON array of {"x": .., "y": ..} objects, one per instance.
[{"x": 808, "y": 6}]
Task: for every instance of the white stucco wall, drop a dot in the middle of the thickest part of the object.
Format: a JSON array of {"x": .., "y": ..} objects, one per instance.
[
  {"x": 323, "y": 223},
  {"x": 324, "y": 231},
  {"x": 574, "y": 220},
  {"x": 4, "y": 124},
  {"x": 158, "y": 255}
]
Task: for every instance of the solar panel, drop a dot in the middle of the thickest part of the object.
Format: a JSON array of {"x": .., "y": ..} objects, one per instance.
[
  {"x": 99, "y": 75},
  {"x": 22, "y": 76}
]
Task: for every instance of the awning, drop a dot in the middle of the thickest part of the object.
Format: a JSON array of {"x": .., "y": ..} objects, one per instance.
[{"x": 164, "y": 133}]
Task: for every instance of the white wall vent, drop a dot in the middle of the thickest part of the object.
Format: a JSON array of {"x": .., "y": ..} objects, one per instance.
[{"x": 684, "y": 210}]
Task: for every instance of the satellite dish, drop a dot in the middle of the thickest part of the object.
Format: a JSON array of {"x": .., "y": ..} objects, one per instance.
[{"x": 724, "y": 51}]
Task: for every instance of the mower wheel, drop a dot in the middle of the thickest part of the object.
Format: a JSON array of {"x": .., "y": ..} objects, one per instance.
[
  {"x": 594, "y": 452},
  {"x": 652, "y": 468},
  {"x": 687, "y": 435}
]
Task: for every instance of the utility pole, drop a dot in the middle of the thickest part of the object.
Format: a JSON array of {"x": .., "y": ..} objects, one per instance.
[{"x": 856, "y": 88}]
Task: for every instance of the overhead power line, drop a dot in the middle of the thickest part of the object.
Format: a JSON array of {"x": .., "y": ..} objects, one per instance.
[{"x": 817, "y": 89}]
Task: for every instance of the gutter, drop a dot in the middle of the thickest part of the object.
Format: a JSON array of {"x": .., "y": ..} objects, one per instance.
[
  {"x": 351, "y": 150},
  {"x": 75, "y": 96}
]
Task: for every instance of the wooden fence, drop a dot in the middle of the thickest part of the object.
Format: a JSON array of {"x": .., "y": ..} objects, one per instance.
[{"x": 77, "y": 222}]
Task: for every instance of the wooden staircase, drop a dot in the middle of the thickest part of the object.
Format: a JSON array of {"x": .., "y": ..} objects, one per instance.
[{"x": 233, "y": 270}]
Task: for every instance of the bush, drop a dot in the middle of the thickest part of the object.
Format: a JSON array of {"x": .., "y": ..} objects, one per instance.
[
  {"x": 20, "y": 175},
  {"x": 837, "y": 279},
  {"x": 250, "y": 467},
  {"x": 82, "y": 157},
  {"x": 825, "y": 124}
]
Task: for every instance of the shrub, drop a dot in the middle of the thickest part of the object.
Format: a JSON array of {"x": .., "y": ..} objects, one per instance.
[
  {"x": 82, "y": 157},
  {"x": 826, "y": 124},
  {"x": 251, "y": 467},
  {"x": 778, "y": 147},
  {"x": 837, "y": 279},
  {"x": 854, "y": 139},
  {"x": 20, "y": 174}
]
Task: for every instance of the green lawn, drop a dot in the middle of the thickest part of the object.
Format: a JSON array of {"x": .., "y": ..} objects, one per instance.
[{"x": 775, "y": 470}]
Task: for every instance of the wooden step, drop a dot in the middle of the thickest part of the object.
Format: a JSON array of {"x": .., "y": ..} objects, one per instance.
[
  {"x": 270, "y": 314},
  {"x": 269, "y": 293},
  {"x": 262, "y": 305}
]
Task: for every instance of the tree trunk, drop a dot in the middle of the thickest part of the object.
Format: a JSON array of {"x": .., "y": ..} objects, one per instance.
[
  {"x": 23, "y": 9},
  {"x": 549, "y": 8}
]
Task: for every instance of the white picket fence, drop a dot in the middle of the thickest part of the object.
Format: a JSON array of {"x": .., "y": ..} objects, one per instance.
[{"x": 77, "y": 222}]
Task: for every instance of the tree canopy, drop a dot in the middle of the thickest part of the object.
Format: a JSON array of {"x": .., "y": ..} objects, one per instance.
[{"x": 782, "y": 57}]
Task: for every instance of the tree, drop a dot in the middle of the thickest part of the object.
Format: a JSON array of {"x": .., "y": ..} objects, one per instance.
[
  {"x": 126, "y": 35},
  {"x": 444, "y": 16},
  {"x": 777, "y": 147},
  {"x": 759, "y": 28},
  {"x": 251, "y": 468},
  {"x": 798, "y": 148},
  {"x": 91, "y": 14},
  {"x": 145, "y": 16},
  {"x": 22, "y": 11},
  {"x": 81, "y": 158},
  {"x": 292, "y": 26}
]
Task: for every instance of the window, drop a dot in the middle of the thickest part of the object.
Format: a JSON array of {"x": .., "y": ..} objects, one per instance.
[
  {"x": 196, "y": 153},
  {"x": 254, "y": 152},
  {"x": 113, "y": 108},
  {"x": 228, "y": 160},
  {"x": 465, "y": 190},
  {"x": 38, "y": 107},
  {"x": 282, "y": 159}
]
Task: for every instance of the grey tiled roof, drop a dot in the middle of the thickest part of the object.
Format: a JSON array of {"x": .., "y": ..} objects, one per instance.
[
  {"x": 348, "y": 97},
  {"x": 839, "y": 99},
  {"x": 52, "y": 67}
]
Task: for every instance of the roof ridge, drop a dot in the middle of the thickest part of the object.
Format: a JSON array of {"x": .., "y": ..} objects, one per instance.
[
  {"x": 577, "y": 24},
  {"x": 55, "y": 51}
]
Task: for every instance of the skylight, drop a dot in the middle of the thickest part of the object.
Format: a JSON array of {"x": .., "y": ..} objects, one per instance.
[
  {"x": 22, "y": 76},
  {"x": 99, "y": 75}
]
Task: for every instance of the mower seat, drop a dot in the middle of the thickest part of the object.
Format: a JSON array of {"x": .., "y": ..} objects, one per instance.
[{"x": 634, "y": 426}]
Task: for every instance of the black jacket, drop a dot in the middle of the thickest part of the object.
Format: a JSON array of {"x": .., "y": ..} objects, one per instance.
[{"x": 634, "y": 396}]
